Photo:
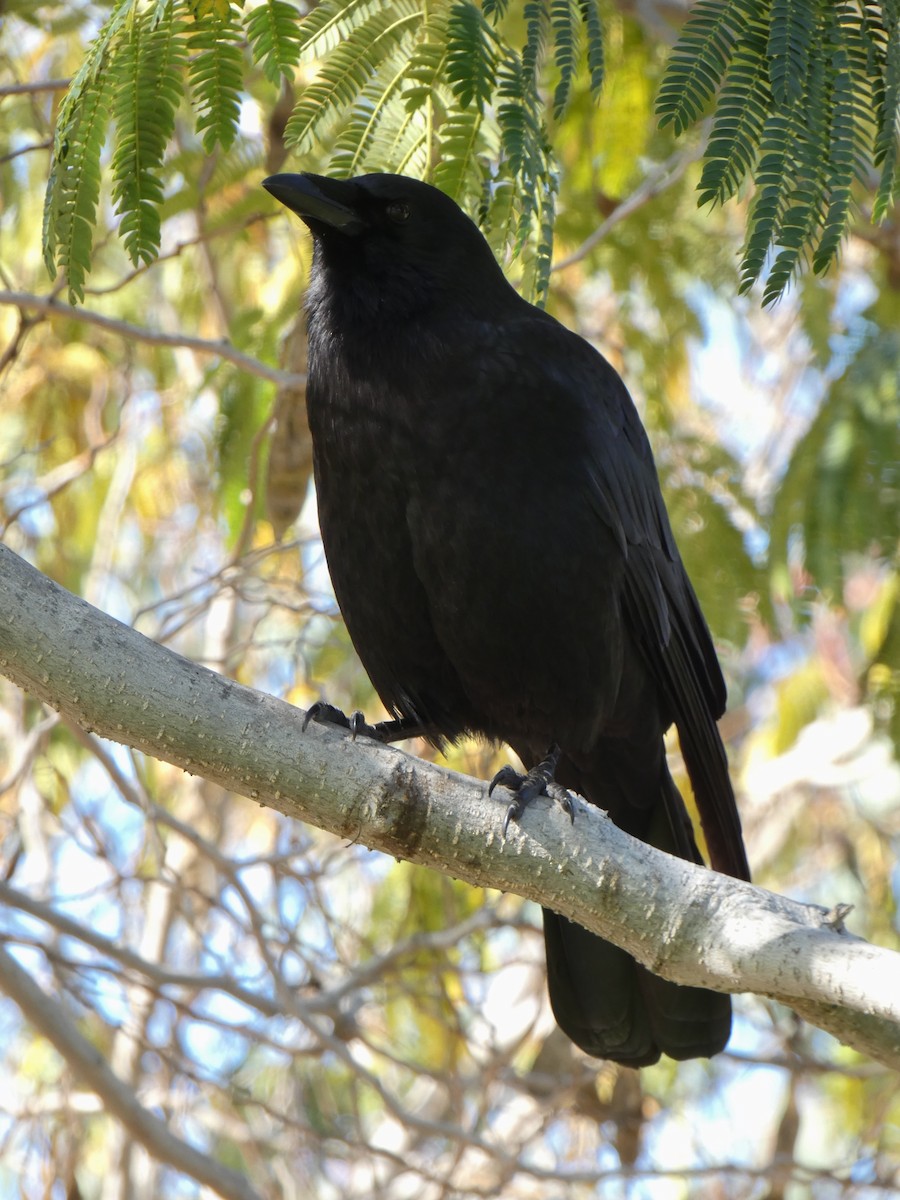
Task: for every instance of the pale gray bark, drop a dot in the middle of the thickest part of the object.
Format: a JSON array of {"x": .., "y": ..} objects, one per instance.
[{"x": 686, "y": 923}]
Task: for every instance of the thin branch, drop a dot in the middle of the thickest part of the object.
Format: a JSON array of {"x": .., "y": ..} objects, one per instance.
[
  {"x": 50, "y": 1019},
  {"x": 158, "y": 975},
  {"x": 139, "y": 333},
  {"x": 37, "y": 85},
  {"x": 684, "y": 922},
  {"x": 666, "y": 174},
  {"x": 226, "y": 230},
  {"x": 5, "y": 158}
]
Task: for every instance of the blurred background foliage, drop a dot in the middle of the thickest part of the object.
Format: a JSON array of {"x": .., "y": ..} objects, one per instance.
[{"x": 326, "y": 1021}]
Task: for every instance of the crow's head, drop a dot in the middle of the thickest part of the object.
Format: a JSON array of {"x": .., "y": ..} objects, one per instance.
[{"x": 402, "y": 243}]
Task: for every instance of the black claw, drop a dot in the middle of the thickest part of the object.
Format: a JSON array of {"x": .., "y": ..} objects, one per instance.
[
  {"x": 513, "y": 813},
  {"x": 507, "y": 777},
  {"x": 324, "y": 713},
  {"x": 357, "y": 725},
  {"x": 320, "y": 712},
  {"x": 538, "y": 781}
]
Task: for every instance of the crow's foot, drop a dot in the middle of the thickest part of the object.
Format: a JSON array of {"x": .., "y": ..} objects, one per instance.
[
  {"x": 357, "y": 726},
  {"x": 329, "y": 714},
  {"x": 538, "y": 781}
]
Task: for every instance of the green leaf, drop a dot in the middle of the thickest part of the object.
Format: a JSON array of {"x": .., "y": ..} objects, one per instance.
[
  {"x": 591, "y": 17},
  {"x": 740, "y": 117},
  {"x": 887, "y": 138},
  {"x": 772, "y": 185},
  {"x": 809, "y": 99},
  {"x": 273, "y": 30},
  {"x": 76, "y": 182},
  {"x": 348, "y": 70},
  {"x": 460, "y": 139},
  {"x": 841, "y": 492},
  {"x": 536, "y": 18},
  {"x": 804, "y": 199},
  {"x": 471, "y": 55},
  {"x": 791, "y": 37},
  {"x": 331, "y": 22},
  {"x": 427, "y": 68},
  {"x": 216, "y": 73},
  {"x": 699, "y": 61},
  {"x": 565, "y": 52},
  {"x": 148, "y": 82},
  {"x": 379, "y": 123},
  {"x": 73, "y": 188}
]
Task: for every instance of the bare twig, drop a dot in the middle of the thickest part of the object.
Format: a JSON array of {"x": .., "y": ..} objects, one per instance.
[
  {"x": 157, "y": 975},
  {"x": 50, "y": 1018},
  {"x": 35, "y": 85},
  {"x": 153, "y": 337},
  {"x": 5, "y": 158},
  {"x": 663, "y": 177}
]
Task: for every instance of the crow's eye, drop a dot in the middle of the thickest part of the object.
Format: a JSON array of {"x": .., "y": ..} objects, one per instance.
[{"x": 398, "y": 211}]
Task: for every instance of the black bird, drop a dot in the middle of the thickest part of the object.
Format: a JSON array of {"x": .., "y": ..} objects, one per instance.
[{"x": 501, "y": 554}]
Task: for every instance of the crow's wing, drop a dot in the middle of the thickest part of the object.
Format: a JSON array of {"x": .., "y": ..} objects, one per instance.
[{"x": 659, "y": 603}]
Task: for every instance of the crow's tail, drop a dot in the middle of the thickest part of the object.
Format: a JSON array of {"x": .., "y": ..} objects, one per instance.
[{"x": 602, "y": 998}]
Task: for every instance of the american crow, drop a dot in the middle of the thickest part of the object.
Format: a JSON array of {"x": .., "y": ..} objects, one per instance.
[{"x": 501, "y": 554}]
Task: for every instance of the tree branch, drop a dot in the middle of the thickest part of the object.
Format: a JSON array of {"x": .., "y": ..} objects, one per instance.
[
  {"x": 48, "y": 1016},
  {"x": 648, "y": 189},
  {"x": 686, "y": 923},
  {"x": 33, "y": 86},
  {"x": 49, "y": 307}
]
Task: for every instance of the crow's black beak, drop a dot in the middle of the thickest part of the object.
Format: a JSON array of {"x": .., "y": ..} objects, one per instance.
[{"x": 318, "y": 200}]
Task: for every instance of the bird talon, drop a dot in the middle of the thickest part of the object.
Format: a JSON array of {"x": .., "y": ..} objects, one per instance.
[
  {"x": 513, "y": 812},
  {"x": 315, "y": 712},
  {"x": 507, "y": 777},
  {"x": 324, "y": 713},
  {"x": 538, "y": 781}
]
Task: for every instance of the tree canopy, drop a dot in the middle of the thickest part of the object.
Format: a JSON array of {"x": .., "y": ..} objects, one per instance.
[{"x": 304, "y": 1016}]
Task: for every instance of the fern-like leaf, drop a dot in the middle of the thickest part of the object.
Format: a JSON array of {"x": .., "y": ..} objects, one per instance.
[
  {"x": 852, "y": 128},
  {"x": 809, "y": 98},
  {"x": 148, "y": 81},
  {"x": 590, "y": 16},
  {"x": 409, "y": 151},
  {"x": 427, "y": 66},
  {"x": 73, "y": 189},
  {"x": 537, "y": 281},
  {"x": 273, "y": 30},
  {"x": 527, "y": 156},
  {"x": 76, "y": 182},
  {"x": 216, "y": 73},
  {"x": 565, "y": 51},
  {"x": 347, "y": 71},
  {"x": 803, "y": 202},
  {"x": 458, "y": 171},
  {"x": 740, "y": 116},
  {"x": 768, "y": 205},
  {"x": 377, "y": 118},
  {"x": 842, "y": 163},
  {"x": 471, "y": 55},
  {"x": 887, "y": 138},
  {"x": 699, "y": 61},
  {"x": 536, "y": 19},
  {"x": 790, "y": 41},
  {"x": 331, "y": 22}
]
